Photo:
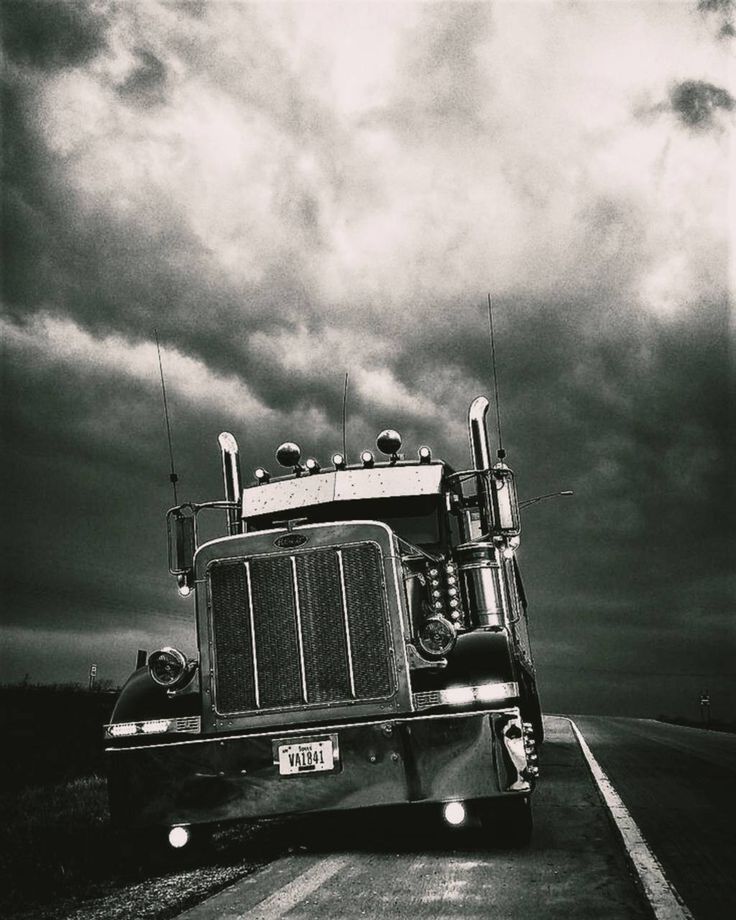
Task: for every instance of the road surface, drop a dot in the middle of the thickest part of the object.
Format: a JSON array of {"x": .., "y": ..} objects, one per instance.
[
  {"x": 679, "y": 784},
  {"x": 400, "y": 864}
]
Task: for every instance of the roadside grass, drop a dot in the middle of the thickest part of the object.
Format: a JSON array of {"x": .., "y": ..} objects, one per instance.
[
  {"x": 52, "y": 838},
  {"x": 59, "y": 852}
]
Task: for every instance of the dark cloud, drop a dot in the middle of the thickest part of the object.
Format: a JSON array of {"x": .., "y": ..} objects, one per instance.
[
  {"x": 51, "y": 34},
  {"x": 277, "y": 232},
  {"x": 146, "y": 84},
  {"x": 697, "y": 103},
  {"x": 724, "y": 11}
]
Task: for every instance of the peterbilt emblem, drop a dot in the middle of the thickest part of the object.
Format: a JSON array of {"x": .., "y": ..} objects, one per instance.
[{"x": 290, "y": 540}]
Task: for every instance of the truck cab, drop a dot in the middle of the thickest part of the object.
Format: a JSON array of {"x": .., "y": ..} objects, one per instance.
[{"x": 362, "y": 640}]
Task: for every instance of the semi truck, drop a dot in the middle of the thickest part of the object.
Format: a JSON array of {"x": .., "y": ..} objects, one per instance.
[{"x": 362, "y": 641}]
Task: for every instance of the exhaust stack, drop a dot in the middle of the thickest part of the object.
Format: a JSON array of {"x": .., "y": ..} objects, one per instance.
[
  {"x": 480, "y": 455},
  {"x": 231, "y": 477}
]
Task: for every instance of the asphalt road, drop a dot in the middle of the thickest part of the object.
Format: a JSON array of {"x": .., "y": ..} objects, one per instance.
[
  {"x": 679, "y": 784},
  {"x": 406, "y": 863}
]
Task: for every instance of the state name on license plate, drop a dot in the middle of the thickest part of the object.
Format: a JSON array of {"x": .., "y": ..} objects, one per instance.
[{"x": 306, "y": 755}]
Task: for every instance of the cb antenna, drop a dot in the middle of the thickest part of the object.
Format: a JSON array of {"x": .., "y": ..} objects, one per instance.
[
  {"x": 173, "y": 478},
  {"x": 345, "y": 418},
  {"x": 501, "y": 452}
]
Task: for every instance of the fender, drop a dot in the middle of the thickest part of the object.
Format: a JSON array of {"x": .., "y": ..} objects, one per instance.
[
  {"x": 142, "y": 698},
  {"x": 479, "y": 657}
]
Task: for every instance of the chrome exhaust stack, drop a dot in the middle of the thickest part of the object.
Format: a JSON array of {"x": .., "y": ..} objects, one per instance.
[
  {"x": 480, "y": 455},
  {"x": 231, "y": 477}
]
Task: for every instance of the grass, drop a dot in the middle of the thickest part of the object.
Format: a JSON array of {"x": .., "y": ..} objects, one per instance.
[{"x": 52, "y": 838}]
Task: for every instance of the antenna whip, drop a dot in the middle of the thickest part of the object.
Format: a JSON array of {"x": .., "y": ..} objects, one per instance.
[
  {"x": 173, "y": 478},
  {"x": 345, "y": 418},
  {"x": 501, "y": 451}
]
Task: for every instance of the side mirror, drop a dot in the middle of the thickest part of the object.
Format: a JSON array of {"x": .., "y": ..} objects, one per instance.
[
  {"x": 182, "y": 541},
  {"x": 504, "y": 500}
]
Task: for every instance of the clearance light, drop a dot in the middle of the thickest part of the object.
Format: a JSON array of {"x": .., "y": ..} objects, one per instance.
[
  {"x": 493, "y": 693},
  {"x": 262, "y": 475},
  {"x": 185, "y": 589},
  {"x": 458, "y": 696},
  {"x": 389, "y": 442},
  {"x": 466, "y": 696},
  {"x": 454, "y": 813},
  {"x": 338, "y": 461},
  {"x": 288, "y": 454},
  {"x": 313, "y": 466},
  {"x": 425, "y": 455},
  {"x": 367, "y": 458},
  {"x": 124, "y": 729},
  {"x": 179, "y": 837},
  {"x": 154, "y": 725}
]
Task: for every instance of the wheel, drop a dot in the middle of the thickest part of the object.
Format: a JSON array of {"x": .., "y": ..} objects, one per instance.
[{"x": 508, "y": 821}]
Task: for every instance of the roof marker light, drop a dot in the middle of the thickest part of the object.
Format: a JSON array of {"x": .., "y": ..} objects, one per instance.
[
  {"x": 367, "y": 458},
  {"x": 312, "y": 466},
  {"x": 389, "y": 442},
  {"x": 262, "y": 475},
  {"x": 338, "y": 461},
  {"x": 425, "y": 454},
  {"x": 288, "y": 454}
]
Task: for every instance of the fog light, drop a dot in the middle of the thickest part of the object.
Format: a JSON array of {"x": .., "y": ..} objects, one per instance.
[
  {"x": 454, "y": 813},
  {"x": 179, "y": 837}
]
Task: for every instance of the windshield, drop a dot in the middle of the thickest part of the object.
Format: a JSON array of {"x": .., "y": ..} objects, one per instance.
[{"x": 414, "y": 518}]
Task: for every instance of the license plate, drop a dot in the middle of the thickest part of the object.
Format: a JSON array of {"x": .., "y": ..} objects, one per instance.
[{"x": 313, "y": 756}]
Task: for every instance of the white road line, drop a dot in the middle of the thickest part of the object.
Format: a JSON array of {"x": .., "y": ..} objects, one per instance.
[
  {"x": 662, "y": 895},
  {"x": 282, "y": 901}
]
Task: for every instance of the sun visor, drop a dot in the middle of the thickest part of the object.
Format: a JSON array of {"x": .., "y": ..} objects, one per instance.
[
  {"x": 345, "y": 485},
  {"x": 387, "y": 482}
]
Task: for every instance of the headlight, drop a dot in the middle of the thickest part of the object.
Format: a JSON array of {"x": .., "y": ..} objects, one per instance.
[
  {"x": 168, "y": 667},
  {"x": 436, "y": 636}
]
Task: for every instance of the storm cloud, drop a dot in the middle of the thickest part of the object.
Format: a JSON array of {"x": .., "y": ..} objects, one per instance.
[{"x": 290, "y": 191}]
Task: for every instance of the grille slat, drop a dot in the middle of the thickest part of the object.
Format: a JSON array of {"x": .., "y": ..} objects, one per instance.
[
  {"x": 325, "y": 646},
  {"x": 308, "y": 625}
]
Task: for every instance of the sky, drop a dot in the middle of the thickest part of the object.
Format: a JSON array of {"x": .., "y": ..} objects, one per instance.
[{"x": 289, "y": 191}]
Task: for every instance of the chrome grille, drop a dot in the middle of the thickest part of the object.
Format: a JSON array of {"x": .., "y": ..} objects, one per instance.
[{"x": 302, "y": 629}]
